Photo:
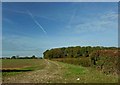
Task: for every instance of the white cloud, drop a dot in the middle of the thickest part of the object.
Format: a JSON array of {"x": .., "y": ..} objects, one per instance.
[{"x": 101, "y": 23}]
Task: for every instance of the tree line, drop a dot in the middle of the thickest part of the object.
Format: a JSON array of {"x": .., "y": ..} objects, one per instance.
[
  {"x": 18, "y": 57},
  {"x": 72, "y": 52}
]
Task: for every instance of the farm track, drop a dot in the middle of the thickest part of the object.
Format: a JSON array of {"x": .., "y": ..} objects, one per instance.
[
  {"x": 51, "y": 71},
  {"x": 58, "y": 72}
]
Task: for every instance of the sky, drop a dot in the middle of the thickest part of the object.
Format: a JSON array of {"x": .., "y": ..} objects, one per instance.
[{"x": 30, "y": 28}]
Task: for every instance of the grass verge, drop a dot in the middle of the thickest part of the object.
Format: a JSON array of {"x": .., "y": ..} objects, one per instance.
[{"x": 78, "y": 74}]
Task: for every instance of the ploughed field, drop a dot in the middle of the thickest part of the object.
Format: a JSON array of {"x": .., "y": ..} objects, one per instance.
[{"x": 49, "y": 71}]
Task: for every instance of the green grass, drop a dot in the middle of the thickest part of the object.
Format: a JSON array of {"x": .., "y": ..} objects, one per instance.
[
  {"x": 4, "y": 74},
  {"x": 85, "y": 74},
  {"x": 74, "y": 70}
]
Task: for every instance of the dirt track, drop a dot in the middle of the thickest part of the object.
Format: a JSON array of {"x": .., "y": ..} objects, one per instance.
[
  {"x": 50, "y": 73},
  {"x": 57, "y": 72}
]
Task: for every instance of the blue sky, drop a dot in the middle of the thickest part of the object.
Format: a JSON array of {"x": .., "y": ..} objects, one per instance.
[{"x": 31, "y": 28}]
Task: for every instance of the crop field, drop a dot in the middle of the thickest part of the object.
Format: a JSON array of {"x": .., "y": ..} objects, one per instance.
[
  {"x": 49, "y": 71},
  {"x": 20, "y": 63},
  {"x": 15, "y": 66}
]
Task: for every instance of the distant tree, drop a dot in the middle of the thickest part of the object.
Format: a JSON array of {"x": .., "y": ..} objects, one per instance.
[
  {"x": 26, "y": 57},
  {"x": 33, "y": 57},
  {"x": 8, "y": 58},
  {"x": 40, "y": 58},
  {"x": 13, "y": 57}
]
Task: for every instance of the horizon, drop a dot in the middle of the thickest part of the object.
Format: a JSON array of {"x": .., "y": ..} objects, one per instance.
[
  {"x": 36, "y": 27},
  {"x": 19, "y": 52}
]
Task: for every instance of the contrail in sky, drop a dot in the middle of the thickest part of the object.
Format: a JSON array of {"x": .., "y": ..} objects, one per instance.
[
  {"x": 73, "y": 16},
  {"x": 37, "y": 23}
]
